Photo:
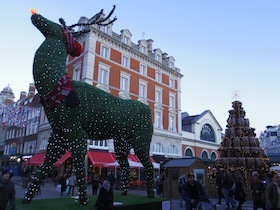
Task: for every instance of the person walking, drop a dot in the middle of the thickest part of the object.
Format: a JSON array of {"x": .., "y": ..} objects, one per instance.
[
  {"x": 240, "y": 194},
  {"x": 227, "y": 185},
  {"x": 95, "y": 184},
  {"x": 71, "y": 184},
  {"x": 219, "y": 178},
  {"x": 258, "y": 192},
  {"x": 272, "y": 192},
  {"x": 105, "y": 197},
  {"x": 7, "y": 190},
  {"x": 62, "y": 181},
  {"x": 181, "y": 182}
]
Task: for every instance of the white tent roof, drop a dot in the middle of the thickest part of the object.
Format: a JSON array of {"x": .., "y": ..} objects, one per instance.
[
  {"x": 276, "y": 168},
  {"x": 132, "y": 164}
]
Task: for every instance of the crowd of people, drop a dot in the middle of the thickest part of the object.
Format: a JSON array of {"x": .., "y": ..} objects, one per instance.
[{"x": 265, "y": 194}]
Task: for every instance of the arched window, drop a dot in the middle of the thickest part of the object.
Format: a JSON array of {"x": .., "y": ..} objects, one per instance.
[
  {"x": 207, "y": 133},
  {"x": 188, "y": 153},
  {"x": 158, "y": 148},
  {"x": 173, "y": 150},
  {"x": 204, "y": 154},
  {"x": 213, "y": 155}
]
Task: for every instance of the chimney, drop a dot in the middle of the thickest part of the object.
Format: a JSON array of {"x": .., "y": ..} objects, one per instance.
[
  {"x": 150, "y": 45},
  {"x": 31, "y": 91},
  {"x": 22, "y": 94},
  {"x": 164, "y": 56}
]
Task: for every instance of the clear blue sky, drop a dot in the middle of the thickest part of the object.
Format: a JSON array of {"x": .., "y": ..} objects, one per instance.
[{"x": 220, "y": 47}]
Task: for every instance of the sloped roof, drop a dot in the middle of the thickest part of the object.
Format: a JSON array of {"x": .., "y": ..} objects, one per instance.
[
  {"x": 188, "y": 120},
  {"x": 184, "y": 162}
]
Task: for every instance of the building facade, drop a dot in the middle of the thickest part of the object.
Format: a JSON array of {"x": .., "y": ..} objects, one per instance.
[{"x": 115, "y": 64}]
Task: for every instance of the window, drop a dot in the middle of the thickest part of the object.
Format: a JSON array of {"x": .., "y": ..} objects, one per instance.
[
  {"x": 143, "y": 90},
  {"x": 158, "y": 96},
  {"x": 158, "y": 119},
  {"x": 105, "y": 52},
  {"x": 213, "y": 155},
  {"x": 77, "y": 73},
  {"x": 172, "y": 123},
  {"x": 124, "y": 82},
  {"x": 143, "y": 69},
  {"x": 172, "y": 101},
  {"x": 171, "y": 65},
  {"x": 158, "y": 76},
  {"x": 105, "y": 29},
  {"x": 188, "y": 153},
  {"x": 158, "y": 148},
  {"x": 171, "y": 83},
  {"x": 173, "y": 150},
  {"x": 125, "y": 61},
  {"x": 98, "y": 144},
  {"x": 204, "y": 154},
  {"x": 143, "y": 49},
  {"x": 157, "y": 57},
  {"x": 103, "y": 76},
  {"x": 207, "y": 133},
  {"x": 125, "y": 39}
]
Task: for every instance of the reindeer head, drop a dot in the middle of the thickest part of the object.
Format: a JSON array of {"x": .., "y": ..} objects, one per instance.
[{"x": 53, "y": 30}]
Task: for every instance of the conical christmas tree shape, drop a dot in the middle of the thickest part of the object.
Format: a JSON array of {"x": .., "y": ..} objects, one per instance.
[{"x": 240, "y": 150}]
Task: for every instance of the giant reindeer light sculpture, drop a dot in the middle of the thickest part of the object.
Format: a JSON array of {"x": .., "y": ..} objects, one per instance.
[{"x": 78, "y": 111}]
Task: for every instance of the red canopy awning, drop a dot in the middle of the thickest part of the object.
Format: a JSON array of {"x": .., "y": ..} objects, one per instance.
[
  {"x": 133, "y": 158},
  {"x": 36, "y": 159},
  {"x": 99, "y": 158},
  {"x": 62, "y": 159}
]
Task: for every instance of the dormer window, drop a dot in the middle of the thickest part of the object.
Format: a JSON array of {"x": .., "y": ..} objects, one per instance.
[
  {"x": 125, "y": 39},
  {"x": 143, "y": 49}
]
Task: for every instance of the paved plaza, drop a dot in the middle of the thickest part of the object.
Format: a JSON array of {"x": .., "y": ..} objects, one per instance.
[{"x": 48, "y": 190}]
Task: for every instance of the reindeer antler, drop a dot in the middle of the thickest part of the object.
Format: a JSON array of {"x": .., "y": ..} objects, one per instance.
[{"x": 96, "y": 20}]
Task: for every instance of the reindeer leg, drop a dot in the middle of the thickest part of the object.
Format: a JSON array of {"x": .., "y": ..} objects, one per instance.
[
  {"x": 122, "y": 150},
  {"x": 78, "y": 146},
  {"x": 142, "y": 150},
  {"x": 53, "y": 153}
]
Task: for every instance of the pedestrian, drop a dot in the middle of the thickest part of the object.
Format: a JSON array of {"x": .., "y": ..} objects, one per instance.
[
  {"x": 112, "y": 179},
  {"x": 62, "y": 182},
  {"x": 7, "y": 190},
  {"x": 181, "y": 182},
  {"x": 218, "y": 175},
  {"x": 71, "y": 184},
  {"x": 95, "y": 184},
  {"x": 105, "y": 197},
  {"x": 272, "y": 192},
  {"x": 258, "y": 192},
  {"x": 159, "y": 186},
  {"x": 193, "y": 192},
  {"x": 239, "y": 194},
  {"x": 228, "y": 189}
]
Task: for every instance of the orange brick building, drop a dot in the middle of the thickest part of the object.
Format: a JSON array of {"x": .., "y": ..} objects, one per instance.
[{"x": 113, "y": 63}]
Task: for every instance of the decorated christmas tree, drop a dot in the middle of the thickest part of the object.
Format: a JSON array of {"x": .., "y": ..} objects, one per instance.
[{"x": 240, "y": 150}]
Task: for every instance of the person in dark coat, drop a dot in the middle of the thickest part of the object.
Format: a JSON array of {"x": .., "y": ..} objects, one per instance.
[
  {"x": 227, "y": 184},
  {"x": 7, "y": 190},
  {"x": 62, "y": 181},
  {"x": 95, "y": 184},
  {"x": 193, "y": 192},
  {"x": 112, "y": 179},
  {"x": 272, "y": 192},
  {"x": 239, "y": 193},
  {"x": 105, "y": 197},
  {"x": 258, "y": 192}
]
